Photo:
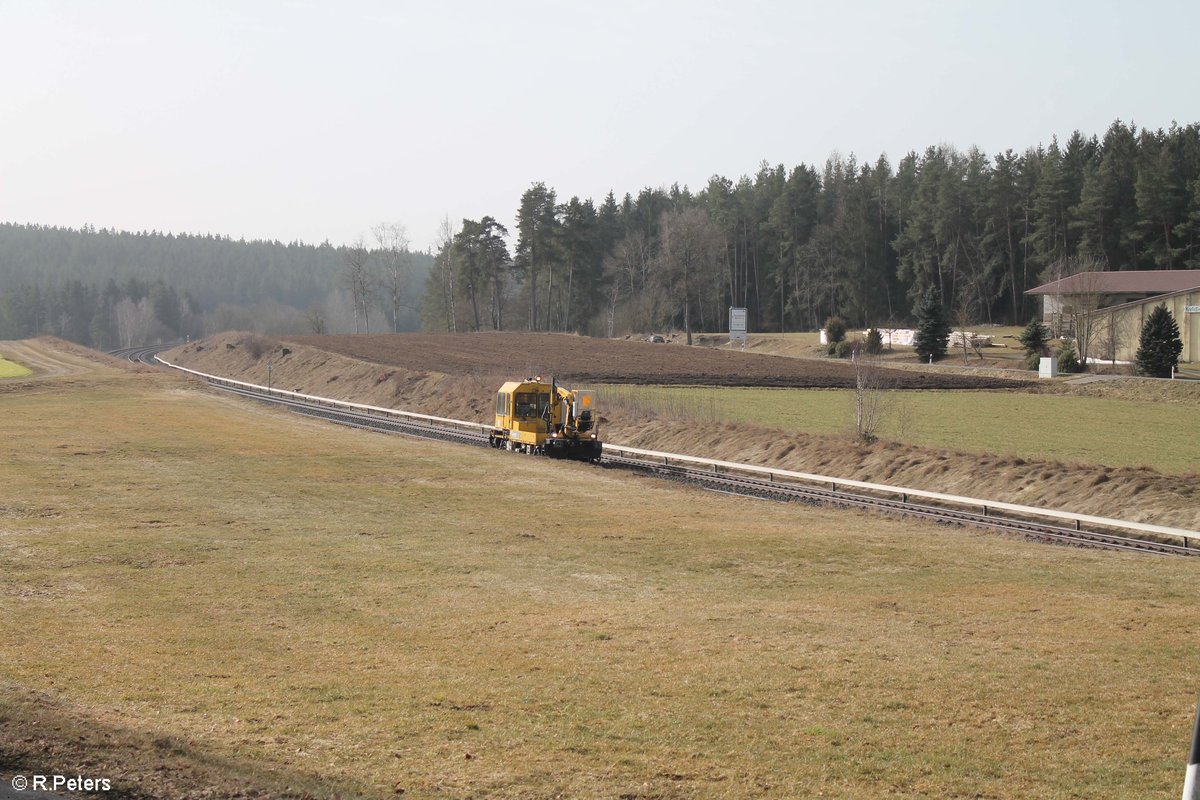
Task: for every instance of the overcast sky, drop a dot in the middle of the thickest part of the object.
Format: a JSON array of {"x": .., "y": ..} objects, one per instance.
[{"x": 314, "y": 121}]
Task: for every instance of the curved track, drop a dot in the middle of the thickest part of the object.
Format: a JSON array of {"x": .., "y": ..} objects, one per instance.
[
  {"x": 711, "y": 479},
  {"x": 142, "y": 354}
]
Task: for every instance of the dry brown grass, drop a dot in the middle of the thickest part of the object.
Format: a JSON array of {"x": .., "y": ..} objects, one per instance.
[{"x": 202, "y": 597}]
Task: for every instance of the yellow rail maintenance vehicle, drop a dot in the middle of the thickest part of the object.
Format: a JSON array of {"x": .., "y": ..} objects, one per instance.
[{"x": 545, "y": 419}]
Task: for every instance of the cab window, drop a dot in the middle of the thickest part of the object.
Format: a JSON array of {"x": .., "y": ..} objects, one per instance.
[
  {"x": 531, "y": 405},
  {"x": 501, "y": 405}
]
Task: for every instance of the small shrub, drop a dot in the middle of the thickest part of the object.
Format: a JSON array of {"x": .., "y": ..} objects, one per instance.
[
  {"x": 1068, "y": 359},
  {"x": 257, "y": 346},
  {"x": 835, "y": 329},
  {"x": 874, "y": 343},
  {"x": 845, "y": 348},
  {"x": 1033, "y": 360}
]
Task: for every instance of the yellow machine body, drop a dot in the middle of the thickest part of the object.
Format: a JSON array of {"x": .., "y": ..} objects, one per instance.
[{"x": 533, "y": 416}]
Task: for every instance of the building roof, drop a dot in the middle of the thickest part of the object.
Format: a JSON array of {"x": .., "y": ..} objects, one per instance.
[
  {"x": 1147, "y": 281},
  {"x": 1158, "y": 298}
]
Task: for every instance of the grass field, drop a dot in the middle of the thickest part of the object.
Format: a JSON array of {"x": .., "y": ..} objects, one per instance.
[
  {"x": 8, "y": 369},
  {"x": 202, "y": 597},
  {"x": 1046, "y": 426}
]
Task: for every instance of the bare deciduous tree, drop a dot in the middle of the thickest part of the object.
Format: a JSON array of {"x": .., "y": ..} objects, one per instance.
[
  {"x": 964, "y": 315},
  {"x": 314, "y": 317},
  {"x": 1078, "y": 305},
  {"x": 360, "y": 282},
  {"x": 631, "y": 264},
  {"x": 871, "y": 396},
  {"x": 1110, "y": 338},
  {"x": 690, "y": 249},
  {"x": 445, "y": 267},
  {"x": 396, "y": 262},
  {"x": 133, "y": 321}
]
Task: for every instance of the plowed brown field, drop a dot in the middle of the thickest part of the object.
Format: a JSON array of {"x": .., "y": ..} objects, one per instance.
[{"x": 579, "y": 358}]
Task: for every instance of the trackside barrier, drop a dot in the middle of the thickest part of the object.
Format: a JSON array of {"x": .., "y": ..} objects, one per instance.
[
  {"x": 391, "y": 412},
  {"x": 1188, "y": 538},
  {"x": 973, "y": 503}
]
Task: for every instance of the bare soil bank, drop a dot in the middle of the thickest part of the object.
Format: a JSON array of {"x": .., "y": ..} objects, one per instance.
[{"x": 1137, "y": 494}]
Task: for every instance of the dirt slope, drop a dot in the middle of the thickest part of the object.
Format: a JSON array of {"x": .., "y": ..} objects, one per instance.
[{"x": 1125, "y": 493}]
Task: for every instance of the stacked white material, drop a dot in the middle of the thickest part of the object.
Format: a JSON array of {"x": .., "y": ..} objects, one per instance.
[
  {"x": 892, "y": 337},
  {"x": 973, "y": 339}
]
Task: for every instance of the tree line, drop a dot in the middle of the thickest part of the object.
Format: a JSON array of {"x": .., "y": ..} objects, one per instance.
[
  {"x": 117, "y": 315},
  {"x": 107, "y": 288},
  {"x": 795, "y": 246},
  {"x": 860, "y": 240}
]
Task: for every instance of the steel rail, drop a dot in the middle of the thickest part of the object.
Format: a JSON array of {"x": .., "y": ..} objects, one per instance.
[
  {"x": 763, "y": 482},
  {"x": 141, "y": 354},
  {"x": 779, "y": 490}
]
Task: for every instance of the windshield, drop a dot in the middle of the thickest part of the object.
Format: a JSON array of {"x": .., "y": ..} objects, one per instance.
[{"x": 531, "y": 405}]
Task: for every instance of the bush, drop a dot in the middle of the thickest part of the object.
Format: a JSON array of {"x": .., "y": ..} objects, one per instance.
[
  {"x": 874, "y": 343},
  {"x": 835, "y": 329},
  {"x": 845, "y": 348},
  {"x": 1068, "y": 359},
  {"x": 257, "y": 345},
  {"x": 1033, "y": 361}
]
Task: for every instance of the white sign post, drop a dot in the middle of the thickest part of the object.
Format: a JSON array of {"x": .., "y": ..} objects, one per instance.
[{"x": 737, "y": 326}]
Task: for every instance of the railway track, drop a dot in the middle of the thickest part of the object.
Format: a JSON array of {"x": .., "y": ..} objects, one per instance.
[
  {"x": 143, "y": 354},
  {"x": 776, "y": 490},
  {"x": 714, "y": 480}
]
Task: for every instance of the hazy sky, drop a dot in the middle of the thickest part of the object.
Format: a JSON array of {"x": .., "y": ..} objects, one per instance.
[{"x": 314, "y": 121}]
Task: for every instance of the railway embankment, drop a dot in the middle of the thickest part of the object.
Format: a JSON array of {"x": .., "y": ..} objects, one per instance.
[{"x": 1133, "y": 493}]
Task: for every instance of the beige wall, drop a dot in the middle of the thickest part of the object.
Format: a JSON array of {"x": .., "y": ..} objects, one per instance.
[{"x": 1128, "y": 326}]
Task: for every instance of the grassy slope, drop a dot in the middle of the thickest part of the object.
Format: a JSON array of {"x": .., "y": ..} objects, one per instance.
[
  {"x": 10, "y": 370},
  {"x": 254, "y": 600},
  {"x": 1094, "y": 430}
]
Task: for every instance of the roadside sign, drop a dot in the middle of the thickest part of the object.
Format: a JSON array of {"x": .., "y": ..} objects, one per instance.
[
  {"x": 1191, "y": 309},
  {"x": 737, "y": 324}
]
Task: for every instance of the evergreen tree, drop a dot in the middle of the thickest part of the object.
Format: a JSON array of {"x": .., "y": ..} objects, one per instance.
[
  {"x": 1034, "y": 339},
  {"x": 1159, "y": 347},
  {"x": 933, "y": 328},
  {"x": 1188, "y": 231},
  {"x": 1107, "y": 210},
  {"x": 1068, "y": 358},
  {"x": 874, "y": 343},
  {"x": 537, "y": 234},
  {"x": 1160, "y": 201}
]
